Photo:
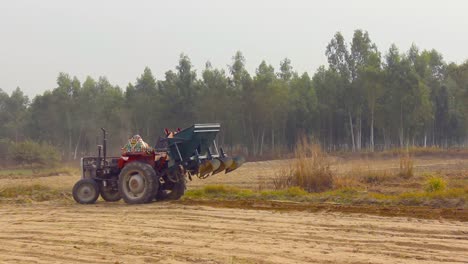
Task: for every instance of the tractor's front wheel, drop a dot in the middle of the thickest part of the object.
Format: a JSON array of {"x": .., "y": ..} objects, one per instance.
[
  {"x": 137, "y": 183},
  {"x": 86, "y": 191}
]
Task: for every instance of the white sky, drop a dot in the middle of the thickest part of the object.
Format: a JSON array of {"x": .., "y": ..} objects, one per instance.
[{"x": 117, "y": 39}]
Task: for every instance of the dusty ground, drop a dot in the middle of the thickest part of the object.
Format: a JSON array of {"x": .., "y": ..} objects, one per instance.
[
  {"x": 174, "y": 233},
  {"x": 191, "y": 232}
]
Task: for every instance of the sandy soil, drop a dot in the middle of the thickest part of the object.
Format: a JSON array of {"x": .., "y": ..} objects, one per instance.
[{"x": 175, "y": 233}]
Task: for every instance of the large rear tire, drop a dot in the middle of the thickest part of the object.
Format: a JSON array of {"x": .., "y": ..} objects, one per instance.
[
  {"x": 86, "y": 191},
  {"x": 137, "y": 182}
]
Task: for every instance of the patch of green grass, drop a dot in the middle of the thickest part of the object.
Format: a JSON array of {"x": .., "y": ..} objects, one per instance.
[
  {"x": 219, "y": 191},
  {"x": 343, "y": 196},
  {"x": 439, "y": 198},
  {"x": 435, "y": 184},
  {"x": 292, "y": 192}
]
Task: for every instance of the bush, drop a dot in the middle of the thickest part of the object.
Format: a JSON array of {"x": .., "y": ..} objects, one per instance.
[
  {"x": 435, "y": 184},
  {"x": 309, "y": 170},
  {"x": 34, "y": 154}
]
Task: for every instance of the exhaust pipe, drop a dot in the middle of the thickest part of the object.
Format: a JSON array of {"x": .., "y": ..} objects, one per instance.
[{"x": 104, "y": 145}]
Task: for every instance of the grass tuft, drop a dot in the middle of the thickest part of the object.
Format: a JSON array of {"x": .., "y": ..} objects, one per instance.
[
  {"x": 309, "y": 170},
  {"x": 406, "y": 166}
]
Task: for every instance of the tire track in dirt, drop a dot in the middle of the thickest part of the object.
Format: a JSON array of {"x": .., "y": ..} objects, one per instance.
[{"x": 175, "y": 233}]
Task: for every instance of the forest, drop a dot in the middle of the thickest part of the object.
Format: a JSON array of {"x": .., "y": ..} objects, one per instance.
[{"x": 365, "y": 99}]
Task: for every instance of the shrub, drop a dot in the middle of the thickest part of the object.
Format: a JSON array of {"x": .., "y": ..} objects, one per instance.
[
  {"x": 309, "y": 170},
  {"x": 34, "y": 154},
  {"x": 435, "y": 184},
  {"x": 283, "y": 178}
]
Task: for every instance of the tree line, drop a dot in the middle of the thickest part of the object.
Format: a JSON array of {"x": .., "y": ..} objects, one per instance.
[{"x": 363, "y": 99}]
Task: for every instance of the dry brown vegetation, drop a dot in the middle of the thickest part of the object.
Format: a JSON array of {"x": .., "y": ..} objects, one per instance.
[
  {"x": 309, "y": 169},
  {"x": 314, "y": 176}
]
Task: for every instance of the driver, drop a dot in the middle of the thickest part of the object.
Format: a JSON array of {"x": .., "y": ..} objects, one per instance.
[{"x": 136, "y": 145}]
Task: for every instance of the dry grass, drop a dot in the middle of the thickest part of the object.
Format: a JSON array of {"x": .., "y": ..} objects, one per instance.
[
  {"x": 406, "y": 166},
  {"x": 364, "y": 176},
  {"x": 28, "y": 193},
  {"x": 354, "y": 181},
  {"x": 368, "y": 176},
  {"x": 310, "y": 169},
  {"x": 36, "y": 173},
  {"x": 346, "y": 181}
]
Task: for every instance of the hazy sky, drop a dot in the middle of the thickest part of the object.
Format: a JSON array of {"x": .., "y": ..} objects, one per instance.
[{"x": 117, "y": 39}]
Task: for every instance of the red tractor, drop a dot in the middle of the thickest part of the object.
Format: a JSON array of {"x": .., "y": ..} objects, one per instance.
[{"x": 158, "y": 173}]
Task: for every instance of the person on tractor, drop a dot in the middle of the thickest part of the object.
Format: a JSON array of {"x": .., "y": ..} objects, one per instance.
[{"x": 136, "y": 145}]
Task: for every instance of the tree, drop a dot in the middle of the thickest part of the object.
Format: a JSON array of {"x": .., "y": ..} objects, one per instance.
[
  {"x": 179, "y": 93},
  {"x": 360, "y": 98},
  {"x": 143, "y": 101},
  {"x": 372, "y": 79},
  {"x": 363, "y": 54},
  {"x": 15, "y": 113},
  {"x": 338, "y": 60},
  {"x": 286, "y": 70}
]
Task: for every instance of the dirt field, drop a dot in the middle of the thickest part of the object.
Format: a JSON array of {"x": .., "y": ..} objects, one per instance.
[
  {"x": 174, "y": 233},
  {"x": 191, "y": 232}
]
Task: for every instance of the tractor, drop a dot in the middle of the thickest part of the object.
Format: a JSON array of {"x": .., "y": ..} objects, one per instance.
[{"x": 158, "y": 173}]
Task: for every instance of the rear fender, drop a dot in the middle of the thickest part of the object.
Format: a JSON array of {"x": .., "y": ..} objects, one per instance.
[{"x": 143, "y": 157}]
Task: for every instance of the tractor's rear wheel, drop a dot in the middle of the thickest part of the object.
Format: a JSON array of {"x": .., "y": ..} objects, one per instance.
[
  {"x": 86, "y": 191},
  {"x": 137, "y": 182},
  {"x": 110, "y": 194}
]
